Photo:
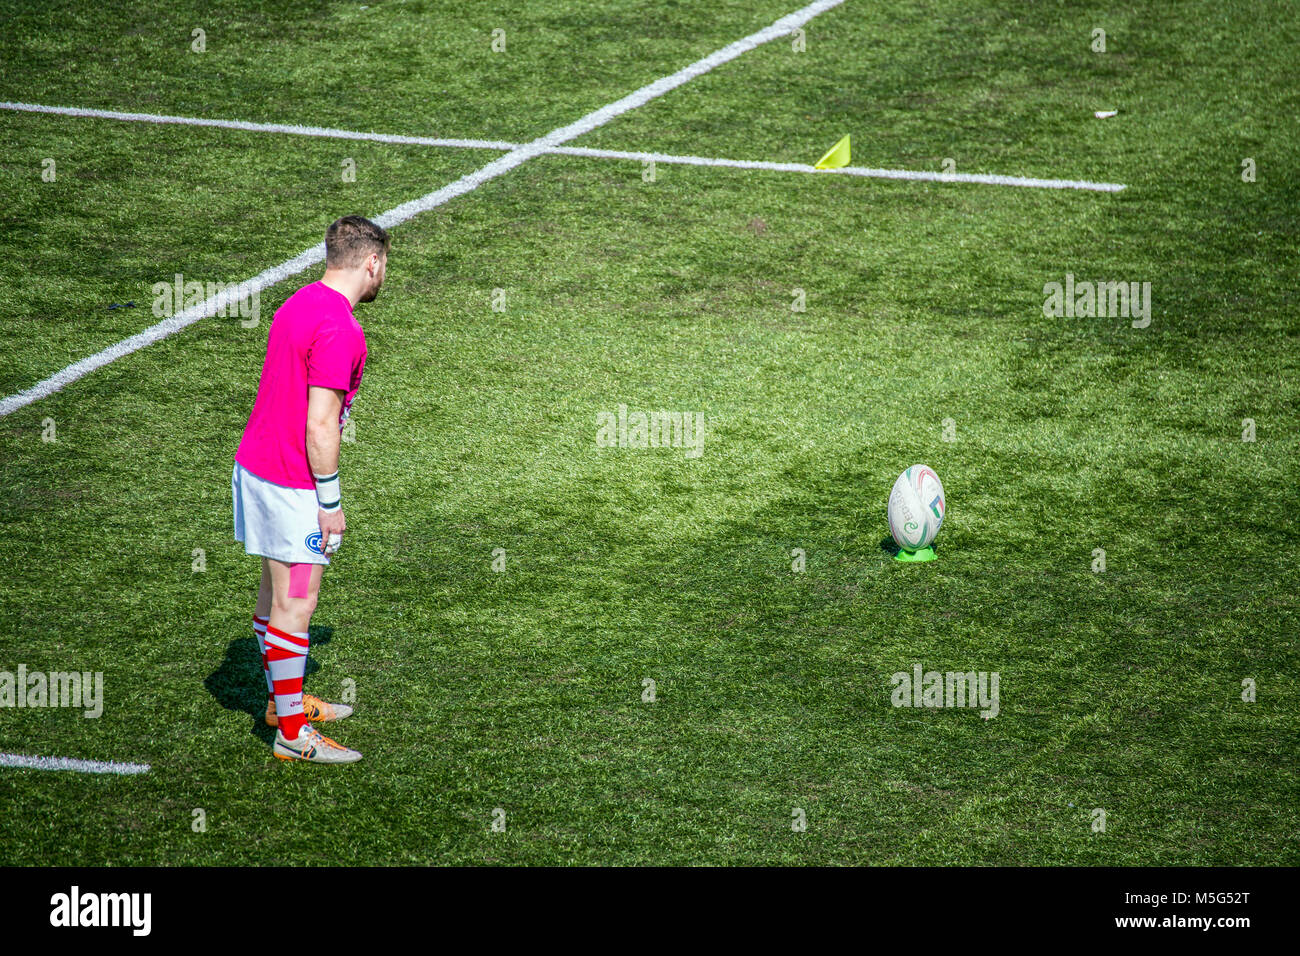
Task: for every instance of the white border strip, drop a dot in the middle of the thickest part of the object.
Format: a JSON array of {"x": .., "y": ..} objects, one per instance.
[
  {"x": 67, "y": 763},
  {"x": 290, "y": 128},
  {"x": 924, "y": 175},
  {"x": 986, "y": 179},
  {"x": 162, "y": 330},
  {"x": 399, "y": 214}
]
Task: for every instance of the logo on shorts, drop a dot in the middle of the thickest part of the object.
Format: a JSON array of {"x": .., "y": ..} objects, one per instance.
[{"x": 313, "y": 543}]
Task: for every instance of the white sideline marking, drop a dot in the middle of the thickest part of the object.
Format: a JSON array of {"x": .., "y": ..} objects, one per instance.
[
  {"x": 987, "y": 179},
  {"x": 399, "y": 214},
  {"x": 290, "y": 128},
  {"x": 161, "y": 330},
  {"x": 67, "y": 763}
]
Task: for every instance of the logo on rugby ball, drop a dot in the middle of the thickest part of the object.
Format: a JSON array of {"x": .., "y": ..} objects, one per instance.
[{"x": 916, "y": 508}]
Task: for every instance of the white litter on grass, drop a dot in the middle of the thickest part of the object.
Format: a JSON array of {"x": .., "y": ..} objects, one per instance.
[
  {"x": 1105, "y": 114},
  {"x": 67, "y": 763}
]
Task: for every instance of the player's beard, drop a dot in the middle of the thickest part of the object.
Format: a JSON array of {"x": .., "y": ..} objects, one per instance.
[{"x": 370, "y": 293}]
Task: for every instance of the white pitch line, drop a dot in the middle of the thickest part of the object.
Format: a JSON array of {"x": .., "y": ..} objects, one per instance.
[
  {"x": 924, "y": 175},
  {"x": 987, "y": 179},
  {"x": 161, "y": 330},
  {"x": 289, "y": 128},
  {"x": 399, "y": 214},
  {"x": 67, "y": 763}
]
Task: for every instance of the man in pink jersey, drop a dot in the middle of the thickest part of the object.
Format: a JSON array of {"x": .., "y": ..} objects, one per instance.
[{"x": 286, "y": 478}]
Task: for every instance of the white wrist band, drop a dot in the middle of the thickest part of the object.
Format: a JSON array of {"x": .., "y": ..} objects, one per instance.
[{"x": 327, "y": 492}]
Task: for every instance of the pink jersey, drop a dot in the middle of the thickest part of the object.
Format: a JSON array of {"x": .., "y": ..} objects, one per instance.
[{"x": 314, "y": 340}]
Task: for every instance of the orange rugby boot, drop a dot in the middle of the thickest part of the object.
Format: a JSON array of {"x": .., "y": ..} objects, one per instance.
[{"x": 313, "y": 708}]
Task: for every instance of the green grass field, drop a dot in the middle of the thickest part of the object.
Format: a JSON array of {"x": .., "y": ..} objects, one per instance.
[{"x": 522, "y": 690}]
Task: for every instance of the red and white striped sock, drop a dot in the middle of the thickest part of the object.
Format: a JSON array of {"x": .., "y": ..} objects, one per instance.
[
  {"x": 286, "y": 655},
  {"x": 259, "y": 629}
]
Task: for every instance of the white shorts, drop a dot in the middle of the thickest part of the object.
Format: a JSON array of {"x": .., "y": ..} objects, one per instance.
[{"x": 274, "y": 521}]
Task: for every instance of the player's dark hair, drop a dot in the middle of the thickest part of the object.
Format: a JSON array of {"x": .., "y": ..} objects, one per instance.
[{"x": 349, "y": 240}]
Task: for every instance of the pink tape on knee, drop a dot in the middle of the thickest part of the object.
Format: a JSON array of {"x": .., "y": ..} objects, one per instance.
[{"x": 300, "y": 580}]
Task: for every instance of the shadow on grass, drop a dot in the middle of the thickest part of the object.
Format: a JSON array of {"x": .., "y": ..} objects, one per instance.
[{"x": 240, "y": 683}]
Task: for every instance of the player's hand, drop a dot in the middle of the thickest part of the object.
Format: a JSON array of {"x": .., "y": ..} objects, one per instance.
[{"x": 332, "y": 526}]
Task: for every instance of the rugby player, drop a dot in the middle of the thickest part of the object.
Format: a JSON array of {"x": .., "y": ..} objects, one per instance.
[{"x": 285, "y": 484}]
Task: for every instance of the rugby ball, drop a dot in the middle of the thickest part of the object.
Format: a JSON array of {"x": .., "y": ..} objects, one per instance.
[{"x": 916, "y": 508}]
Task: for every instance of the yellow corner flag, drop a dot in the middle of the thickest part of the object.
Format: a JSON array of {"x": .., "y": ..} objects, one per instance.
[{"x": 837, "y": 157}]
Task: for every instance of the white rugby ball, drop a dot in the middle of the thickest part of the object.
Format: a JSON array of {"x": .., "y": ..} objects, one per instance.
[{"x": 916, "y": 508}]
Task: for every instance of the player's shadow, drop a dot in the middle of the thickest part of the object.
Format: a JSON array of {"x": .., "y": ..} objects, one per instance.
[{"x": 239, "y": 683}]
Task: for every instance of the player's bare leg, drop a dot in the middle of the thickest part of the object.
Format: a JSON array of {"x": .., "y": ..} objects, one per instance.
[
  {"x": 294, "y": 590},
  {"x": 264, "y": 591}
]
